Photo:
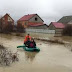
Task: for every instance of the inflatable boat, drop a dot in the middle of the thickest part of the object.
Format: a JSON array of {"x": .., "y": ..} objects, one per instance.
[{"x": 29, "y": 49}]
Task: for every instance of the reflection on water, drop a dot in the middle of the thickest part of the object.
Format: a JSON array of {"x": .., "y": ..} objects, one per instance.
[{"x": 30, "y": 56}]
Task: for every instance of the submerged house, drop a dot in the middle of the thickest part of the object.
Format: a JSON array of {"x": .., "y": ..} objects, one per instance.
[
  {"x": 6, "y": 22},
  {"x": 58, "y": 27},
  {"x": 31, "y": 21}
]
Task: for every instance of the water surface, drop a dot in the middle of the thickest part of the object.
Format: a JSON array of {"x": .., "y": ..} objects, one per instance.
[{"x": 51, "y": 58}]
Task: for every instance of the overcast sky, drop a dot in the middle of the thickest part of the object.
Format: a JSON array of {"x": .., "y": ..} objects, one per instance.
[{"x": 48, "y": 10}]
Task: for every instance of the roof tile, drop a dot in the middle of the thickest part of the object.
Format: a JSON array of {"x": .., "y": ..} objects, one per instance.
[
  {"x": 26, "y": 17},
  {"x": 58, "y": 25}
]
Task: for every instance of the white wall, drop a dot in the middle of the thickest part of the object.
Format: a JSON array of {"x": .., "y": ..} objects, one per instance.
[
  {"x": 33, "y": 19},
  {"x": 41, "y": 31}
]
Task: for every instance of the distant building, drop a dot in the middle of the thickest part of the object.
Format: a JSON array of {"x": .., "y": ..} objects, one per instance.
[
  {"x": 5, "y": 21},
  {"x": 66, "y": 20},
  {"x": 58, "y": 27},
  {"x": 30, "y": 20}
]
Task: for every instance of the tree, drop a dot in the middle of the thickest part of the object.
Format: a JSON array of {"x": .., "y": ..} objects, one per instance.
[
  {"x": 67, "y": 30},
  {"x": 0, "y": 26},
  {"x": 0, "y": 23},
  {"x": 8, "y": 27},
  {"x": 20, "y": 28}
]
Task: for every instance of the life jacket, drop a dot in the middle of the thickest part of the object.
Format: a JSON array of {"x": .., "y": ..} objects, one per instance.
[{"x": 27, "y": 38}]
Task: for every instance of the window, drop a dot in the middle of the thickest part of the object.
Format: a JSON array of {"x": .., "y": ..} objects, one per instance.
[
  {"x": 36, "y": 19},
  {"x": 9, "y": 19}
]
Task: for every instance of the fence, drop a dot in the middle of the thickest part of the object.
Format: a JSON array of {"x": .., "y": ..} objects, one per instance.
[{"x": 41, "y": 31}]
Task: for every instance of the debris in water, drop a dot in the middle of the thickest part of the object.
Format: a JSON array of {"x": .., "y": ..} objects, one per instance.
[
  {"x": 2, "y": 47},
  {"x": 7, "y": 57}
]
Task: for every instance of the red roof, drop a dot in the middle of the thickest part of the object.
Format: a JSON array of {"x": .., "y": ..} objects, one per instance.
[
  {"x": 34, "y": 24},
  {"x": 26, "y": 17},
  {"x": 58, "y": 25}
]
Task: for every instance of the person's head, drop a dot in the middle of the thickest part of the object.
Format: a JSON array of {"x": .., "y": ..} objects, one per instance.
[
  {"x": 28, "y": 34},
  {"x": 32, "y": 39}
]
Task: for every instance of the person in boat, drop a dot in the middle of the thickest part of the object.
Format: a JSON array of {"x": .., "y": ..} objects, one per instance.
[
  {"x": 32, "y": 44},
  {"x": 26, "y": 38},
  {"x": 27, "y": 43}
]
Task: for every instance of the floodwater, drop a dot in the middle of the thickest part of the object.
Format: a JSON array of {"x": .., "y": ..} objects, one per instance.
[{"x": 51, "y": 58}]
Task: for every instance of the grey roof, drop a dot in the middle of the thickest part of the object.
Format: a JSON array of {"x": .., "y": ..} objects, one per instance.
[{"x": 65, "y": 19}]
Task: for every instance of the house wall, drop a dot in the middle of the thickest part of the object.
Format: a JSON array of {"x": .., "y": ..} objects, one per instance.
[
  {"x": 57, "y": 30},
  {"x": 7, "y": 19},
  {"x": 38, "y": 19},
  {"x": 51, "y": 27},
  {"x": 43, "y": 31},
  {"x": 24, "y": 23},
  {"x": 39, "y": 27}
]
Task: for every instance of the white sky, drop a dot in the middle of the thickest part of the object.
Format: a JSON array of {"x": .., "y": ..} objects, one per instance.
[{"x": 48, "y": 10}]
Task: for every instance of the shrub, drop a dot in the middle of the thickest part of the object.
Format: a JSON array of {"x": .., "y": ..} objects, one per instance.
[
  {"x": 7, "y": 57},
  {"x": 7, "y": 28},
  {"x": 67, "y": 31},
  {"x": 20, "y": 28}
]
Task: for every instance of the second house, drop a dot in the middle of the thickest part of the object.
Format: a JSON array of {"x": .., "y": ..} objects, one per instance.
[{"x": 30, "y": 20}]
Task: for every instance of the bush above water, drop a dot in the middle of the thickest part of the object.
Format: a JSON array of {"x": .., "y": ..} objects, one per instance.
[
  {"x": 67, "y": 30},
  {"x": 7, "y": 57}
]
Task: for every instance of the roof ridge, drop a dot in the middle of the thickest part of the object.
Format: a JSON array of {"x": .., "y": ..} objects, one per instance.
[
  {"x": 68, "y": 16},
  {"x": 28, "y": 16}
]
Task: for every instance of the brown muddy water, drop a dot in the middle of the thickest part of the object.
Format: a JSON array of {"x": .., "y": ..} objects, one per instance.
[{"x": 51, "y": 58}]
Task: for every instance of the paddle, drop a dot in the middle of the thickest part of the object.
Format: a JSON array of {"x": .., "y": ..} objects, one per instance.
[{"x": 20, "y": 46}]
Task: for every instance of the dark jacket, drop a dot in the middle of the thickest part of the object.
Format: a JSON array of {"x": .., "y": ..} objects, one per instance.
[
  {"x": 27, "y": 43},
  {"x": 32, "y": 44}
]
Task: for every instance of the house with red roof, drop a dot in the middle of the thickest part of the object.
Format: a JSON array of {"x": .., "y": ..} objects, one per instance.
[
  {"x": 30, "y": 20},
  {"x": 58, "y": 27}
]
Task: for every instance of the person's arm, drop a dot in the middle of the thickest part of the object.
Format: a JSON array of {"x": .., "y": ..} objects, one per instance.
[
  {"x": 26, "y": 43},
  {"x": 34, "y": 43},
  {"x": 30, "y": 38},
  {"x": 25, "y": 39}
]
